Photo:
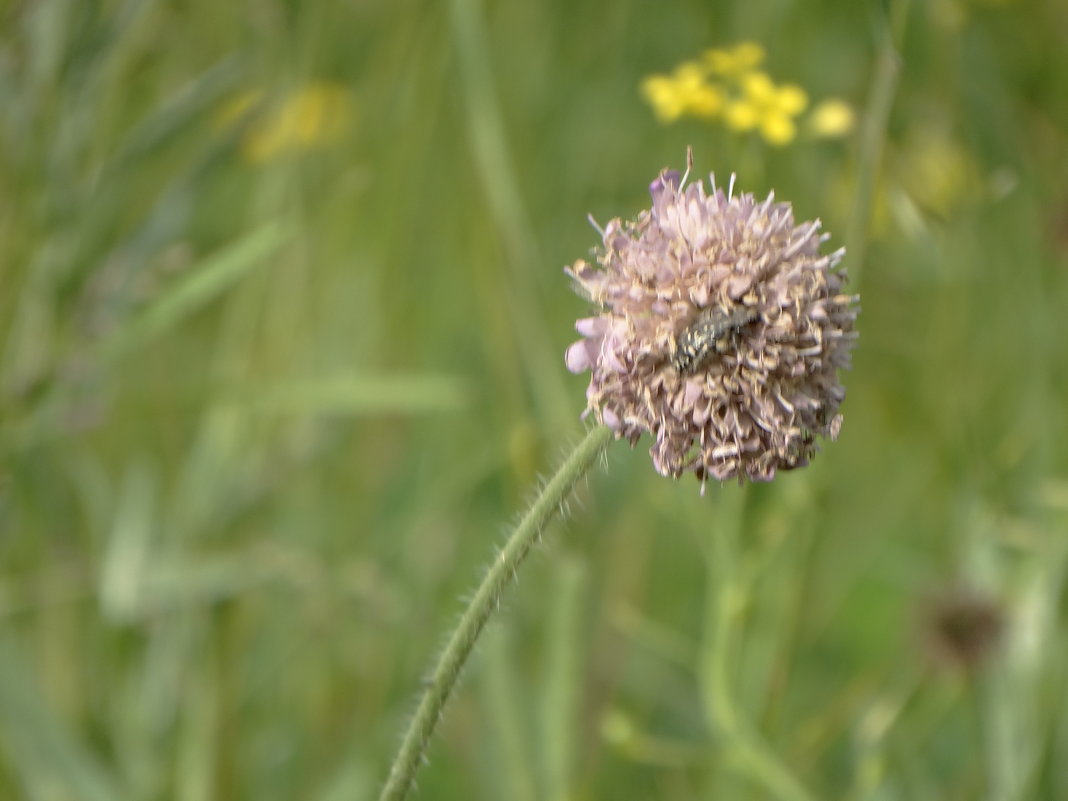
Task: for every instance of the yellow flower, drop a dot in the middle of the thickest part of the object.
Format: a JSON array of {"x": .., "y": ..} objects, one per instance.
[
  {"x": 778, "y": 129},
  {"x": 726, "y": 83},
  {"x": 736, "y": 60},
  {"x": 831, "y": 119},
  {"x": 318, "y": 114},
  {"x": 767, "y": 107},
  {"x": 936, "y": 170},
  {"x": 663, "y": 95},
  {"x": 741, "y": 115},
  {"x": 686, "y": 91}
]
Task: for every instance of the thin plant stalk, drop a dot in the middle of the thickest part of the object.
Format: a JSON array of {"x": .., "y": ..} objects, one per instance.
[
  {"x": 486, "y": 599},
  {"x": 745, "y": 748},
  {"x": 873, "y": 133}
]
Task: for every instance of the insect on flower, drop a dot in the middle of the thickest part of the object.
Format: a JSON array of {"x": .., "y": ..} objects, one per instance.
[
  {"x": 713, "y": 281},
  {"x": 710, "y": 333}
]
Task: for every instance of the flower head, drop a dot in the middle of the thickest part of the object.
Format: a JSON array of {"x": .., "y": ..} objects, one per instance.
[
  {"x": 767, "y": 106},
  {"x": 721, "y": 332},
  {"x": 727, "y": 85},
  {"x": 962, "y": 627},
  {"x": 831, "y": 118},
  {"x": 684, "y": 92}
]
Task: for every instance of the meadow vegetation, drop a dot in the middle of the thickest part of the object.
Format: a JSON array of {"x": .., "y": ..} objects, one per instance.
[{"x": 282, "y": 326}]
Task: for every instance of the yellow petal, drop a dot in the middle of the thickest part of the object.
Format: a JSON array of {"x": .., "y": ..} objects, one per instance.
[
  {"x": 690, "y": 73},
  {"x": 719, "y": 61},
  {"x": 663, "y": 95},
  {"x": 758, "y": 87},
  {"x": 832, "y": 118},
  {"x": 740, "y": 115},
  {"x": 732, "y": 61},
  {"x": 317, "y": 114},
  {"x": 791, "y": 99},
  {"x": 748, "y": 55},
  {"x": 707, "y": 102},
  {"x": 778, "y": 129}
]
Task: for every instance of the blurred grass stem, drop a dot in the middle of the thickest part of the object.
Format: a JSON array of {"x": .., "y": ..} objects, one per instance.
[
  {"x": 745, "y": 748},
  {"x": 495, "y": 167},
  {"x": 873, "y": 132},
  {"x": 485, "y": 600}
]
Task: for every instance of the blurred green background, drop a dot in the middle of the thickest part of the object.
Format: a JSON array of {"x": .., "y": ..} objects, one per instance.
[{"x": 282, "y": 322}]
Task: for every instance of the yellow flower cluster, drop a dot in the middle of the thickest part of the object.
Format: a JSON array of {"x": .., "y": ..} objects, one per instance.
[
  {"x": 317, "y": 114},
  {"x": 727, "y": 85}
]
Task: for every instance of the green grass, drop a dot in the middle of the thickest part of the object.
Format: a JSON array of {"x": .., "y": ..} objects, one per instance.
[{"x": 263, "y": 424}]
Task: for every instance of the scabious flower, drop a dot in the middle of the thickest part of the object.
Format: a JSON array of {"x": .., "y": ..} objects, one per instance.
[{"x": 721, "y": 332}]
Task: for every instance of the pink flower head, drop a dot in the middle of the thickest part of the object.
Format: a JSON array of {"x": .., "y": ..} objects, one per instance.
[{"x": 720, "y": 331}]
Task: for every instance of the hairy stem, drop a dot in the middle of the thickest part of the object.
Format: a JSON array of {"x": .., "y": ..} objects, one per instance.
[{"x": 481, "y": 606}]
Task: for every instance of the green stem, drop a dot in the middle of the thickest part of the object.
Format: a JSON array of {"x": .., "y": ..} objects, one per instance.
[
  {"x": 873, "y": 134},
  {"x": 743, "y": 744},
  {"x": 481, "y": 606}
]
